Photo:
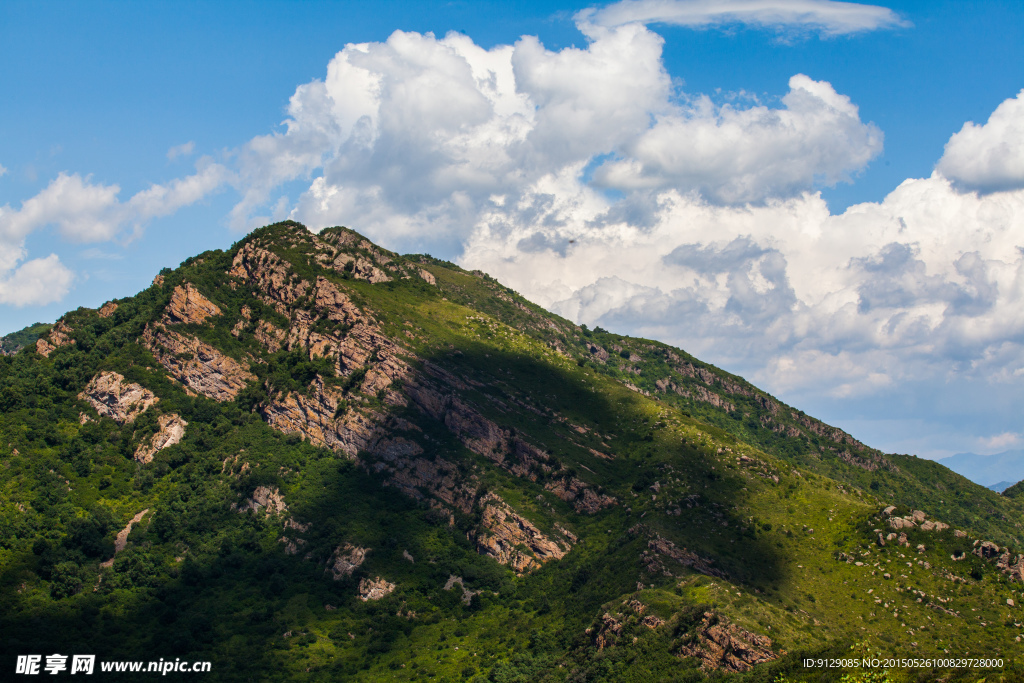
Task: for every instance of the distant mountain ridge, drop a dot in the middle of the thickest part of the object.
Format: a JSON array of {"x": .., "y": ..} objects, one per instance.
[{"x": 988, "y": 470}]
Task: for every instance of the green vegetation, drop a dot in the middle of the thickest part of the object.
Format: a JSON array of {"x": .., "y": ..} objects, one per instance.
[{"x": 774, "y": 518}]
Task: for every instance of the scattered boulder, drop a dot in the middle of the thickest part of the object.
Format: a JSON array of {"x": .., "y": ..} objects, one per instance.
[{"x": 901, "y": 523}]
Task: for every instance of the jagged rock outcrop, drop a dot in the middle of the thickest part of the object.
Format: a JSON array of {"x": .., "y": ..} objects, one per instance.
[
  {"x": 112, "y": 397},
  {"x": 607, "y": 632},
  {"x": 270, "y": 274},
  {"x": 196, "y": 364},
  {"x": 375, "y": 589},
  {"x": 504, "y": 531},
  {"x": 659, "y": 548},
  {"x": 719, "y": 644},
  {"x": 58, "y": 336},
  {"x": 696, "y": 392},
  {"x": 580, "y": 495},
  {"x": 172, "y": 431},
  {"x": 264, "y": 498},
  {"x": 107, "y": 309},
  {"x": 188, "y": 305},
  {"x": 345, "y": 560}
]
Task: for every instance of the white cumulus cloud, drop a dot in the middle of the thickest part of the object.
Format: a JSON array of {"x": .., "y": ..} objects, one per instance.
[
  {"x": 83, "y": 211},
  {"x": 990, "y": 157},
  {"x": 738, "y": 155},
  {"x": 35, "y": 283}
]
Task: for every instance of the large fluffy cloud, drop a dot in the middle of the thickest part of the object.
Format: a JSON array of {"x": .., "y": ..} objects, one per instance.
[
  {"x": 737, "y": 155},
  {"x": 989, "y": 158},
  {"x": 417, "y": 138}
]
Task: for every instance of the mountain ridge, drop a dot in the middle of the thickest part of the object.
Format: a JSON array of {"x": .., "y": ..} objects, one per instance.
[{"x": 588, "y": 486}]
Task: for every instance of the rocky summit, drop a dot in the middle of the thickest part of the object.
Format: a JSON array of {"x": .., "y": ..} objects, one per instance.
[{"x": 309, "y": 458}]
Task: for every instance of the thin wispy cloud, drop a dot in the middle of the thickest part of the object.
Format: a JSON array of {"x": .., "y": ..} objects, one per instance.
[
  {"x": 182, "y": 150},
  {"x": 827, "y": 17}
]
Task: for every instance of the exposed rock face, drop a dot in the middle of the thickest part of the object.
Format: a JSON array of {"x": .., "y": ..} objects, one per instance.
[
  {"x": 414, "y": 475},
  {"x": 188, "y": 305},
  {"x": 345, "y": 560},
  {"x": 196, "y": 364},
  {"x": 314, "y": 418},
  {"x": 107, "y": 310},
  {"x": 121, "y": 401},
  {"x": 121, "y": 541},
  {"x": 721, "y": 645},
  {"x": 502, "y": 446},
  {"x": 375, "y": 589},
  {"x": 506, "y": 529},
  {"x": 467, "y": 595},
  {"x": 264, "y": 498},
  {"x": 172, "y": 431},
  {"x": 57, "y": 337},
  {"x": 269, "y": 336}
]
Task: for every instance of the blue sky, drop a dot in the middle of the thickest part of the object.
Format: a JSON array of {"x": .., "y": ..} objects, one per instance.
[{"x": 703, "y": 156}]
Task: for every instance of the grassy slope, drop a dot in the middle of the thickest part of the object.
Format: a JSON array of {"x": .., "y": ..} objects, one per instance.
[{"x": 235, "y": 592}]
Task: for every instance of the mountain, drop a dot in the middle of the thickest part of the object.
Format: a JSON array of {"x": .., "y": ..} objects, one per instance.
[
  {"x": 986, "y": 470},
  {"x": 310, "y": 458},
  {"x": 1000, "y": 486}
]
